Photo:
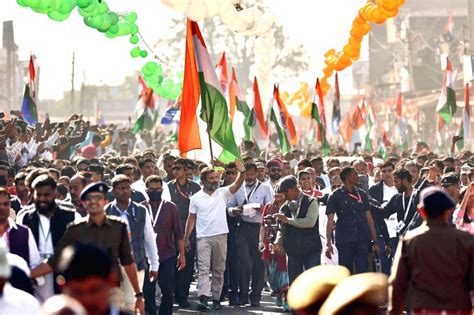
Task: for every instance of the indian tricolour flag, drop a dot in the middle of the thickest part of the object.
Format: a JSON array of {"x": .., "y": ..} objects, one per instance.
[
  {"x": 237, "y": 101},
  {"x": 447, "y": 100},
  {"x": 280, "y": 116},
  {"x": 202, "y": 93},
  {"x": 257, "y": 120}
]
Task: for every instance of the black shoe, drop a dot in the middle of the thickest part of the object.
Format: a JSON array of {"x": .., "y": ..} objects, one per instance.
[
  {"x": 242, "y": 302},
  {"x": 202, "y": 304},
  {"x": 184, "y": 304},
  {"x": 255, "y": 304},
  {"x": 233, "y": 302},
  {"x": 216, "y": 305}
]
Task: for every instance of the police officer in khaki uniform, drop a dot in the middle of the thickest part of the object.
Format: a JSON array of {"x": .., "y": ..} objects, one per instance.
[{"x": 107, "y": 232}]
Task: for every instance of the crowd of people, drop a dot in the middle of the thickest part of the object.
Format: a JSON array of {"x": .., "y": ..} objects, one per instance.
[{"x": 98, "y": 221}]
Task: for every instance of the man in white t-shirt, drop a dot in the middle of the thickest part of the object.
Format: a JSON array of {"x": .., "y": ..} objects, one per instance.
[{"x": 207, "y": 210}]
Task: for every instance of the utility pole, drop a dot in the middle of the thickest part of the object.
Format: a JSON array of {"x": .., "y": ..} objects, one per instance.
[{"x": 73, "y": 105}]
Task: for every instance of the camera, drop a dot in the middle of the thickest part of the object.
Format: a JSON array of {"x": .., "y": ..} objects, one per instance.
[{"x": 272, "y": 226}]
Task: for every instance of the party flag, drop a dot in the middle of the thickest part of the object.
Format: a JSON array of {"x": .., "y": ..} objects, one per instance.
[
  {"x": 447, "y": 100},
  {"x": 28, "y": 106},
  {"x": 336, "y": 107}
]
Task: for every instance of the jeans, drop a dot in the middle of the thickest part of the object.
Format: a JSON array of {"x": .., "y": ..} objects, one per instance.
[
  {"x": 355, "y": 253},
  {"x": 384, "y": 259},
  {"x": 299, "y": 263},
  {"x": 249, "y": 261},
  {"x": 184, "y": 277}
]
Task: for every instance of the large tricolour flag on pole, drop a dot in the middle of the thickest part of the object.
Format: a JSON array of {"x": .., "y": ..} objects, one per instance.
[
  {"x": 288, "y": 124},
  {"x": 317, "y": 113},
  {"x": 237, "y": 101},
  {"x": 221, "y": 70},
  {"x": 447, "y": 100},
  {"x": 257, "y": 119},
  {"x": 201, "y": 83},
  {"x": 28, "y": 106}
]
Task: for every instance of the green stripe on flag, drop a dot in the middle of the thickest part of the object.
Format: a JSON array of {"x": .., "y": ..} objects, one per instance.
[
  {"x": 219, "y": 123},
  {"x": 324, "y": 142},
  {"x": 284, "y": 143}
]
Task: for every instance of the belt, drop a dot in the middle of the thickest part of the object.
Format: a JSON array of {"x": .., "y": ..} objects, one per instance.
[
  {"x": 253, "y": 224},
  {"x": 427, "y": 311}
]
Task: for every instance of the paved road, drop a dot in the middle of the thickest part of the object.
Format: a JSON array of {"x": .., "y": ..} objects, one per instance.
[{"x": 267, "y": 306}]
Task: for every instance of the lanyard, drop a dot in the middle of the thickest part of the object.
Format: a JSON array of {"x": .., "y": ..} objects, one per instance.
[
  {"x": 357, "y": 198},
  {"x": 252, "y": 191},
  {"x": 45, "y": 237},
  {"x": 407, "y": 209},
  {"x": 185, "y": 195},
  {"x": 155, "y": 219}
]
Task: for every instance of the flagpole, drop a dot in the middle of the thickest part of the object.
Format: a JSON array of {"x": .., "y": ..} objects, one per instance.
[
  {"x": 270, "y": 109},
  {"x": 206, "y": 95}
]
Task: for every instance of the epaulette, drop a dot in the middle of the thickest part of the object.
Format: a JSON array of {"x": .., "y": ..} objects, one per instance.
[
  {"x": 78, "y": 222},
  {"x": 116, "y": 219},
  {"x": 65, "y": 206}
]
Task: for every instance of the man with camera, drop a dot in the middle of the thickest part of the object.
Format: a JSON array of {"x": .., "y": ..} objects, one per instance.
[
  {"x": 299, "y": 235},
  {"x": 247, "y": 205}
]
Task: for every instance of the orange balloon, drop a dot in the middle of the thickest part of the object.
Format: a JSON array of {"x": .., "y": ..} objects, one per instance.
[
  {"x": 362, "y": 14},
  {"x": 355, "y": 40},
  {"x": 365, "y": 29},
  {"x": 400, "y": 2},
  {"x": 348, "y": 49},
  {"x": 327, "y": 71},
  {"x": 388, "y": 4},
  {"x": 330, "y": 52}
]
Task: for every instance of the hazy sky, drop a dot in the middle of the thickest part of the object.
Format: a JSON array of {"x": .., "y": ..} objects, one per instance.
[{"x": 319, "y": 25}]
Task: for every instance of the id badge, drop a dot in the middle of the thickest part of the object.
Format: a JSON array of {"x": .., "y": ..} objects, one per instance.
[{"x": 400, "y": 225}]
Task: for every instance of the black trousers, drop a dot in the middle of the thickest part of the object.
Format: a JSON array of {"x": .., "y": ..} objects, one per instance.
[
  {"x": 354, "y": 255},
  {"x": 166, "y": 283},
  {"x": 231, "y": 273},
  {"x": 299, "y": 263},
  {"x": 249, "y": 261},
  {"x": 184, "y": 277}
]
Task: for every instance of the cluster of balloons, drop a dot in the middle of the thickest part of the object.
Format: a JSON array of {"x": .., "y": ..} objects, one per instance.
[
  {"x": 378, "y": 13},
  {"x": 97, "y": 15},
  {"x": 167, "y": 88}
]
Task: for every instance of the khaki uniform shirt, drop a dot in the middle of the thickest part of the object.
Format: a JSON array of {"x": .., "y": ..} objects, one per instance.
[
  {"x": 111, "y": 236},
  {"x": 434, "y": 266}
]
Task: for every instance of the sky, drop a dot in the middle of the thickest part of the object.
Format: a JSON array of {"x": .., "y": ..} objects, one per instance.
[{"x": 318, "y": 25}]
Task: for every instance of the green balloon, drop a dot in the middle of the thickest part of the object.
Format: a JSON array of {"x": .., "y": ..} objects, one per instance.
[
  {"x": 135, "y": 52},
  {"x": 131, "y": 17},
  {"x": 31, "y": 3},
  {"x": 83, "y": 3},
  {"x": 134, "y": 39},
  {"x": 110, "y": 35},
  {"x": 133, "y": 29},
  {"x": 21, "y": 3},
  {"x": 160, "y": 78},
  {"x": 87, "y": 21},
  {"x": 114, "y": 29},
  {"x": 153, "y": 79},
  {"x": 44, "y": 6},
  {"x": 67, "y": 6},
  {"x": 103, "y": 8},
  {"x": 106, "y": 24},
  {"x": 56, "y": 16},
  {"x": 114, "y": 17},
  {"x": 96, "y": 21},
  {"x": 146, "y": 72}
]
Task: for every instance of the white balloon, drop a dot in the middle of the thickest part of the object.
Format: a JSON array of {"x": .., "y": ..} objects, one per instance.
[
  {"x": 197, "y": 10},
  {"x": 225, "y": 6},
  {"x": 177, "y": 5},
  {"x": 212, "y": 7}
]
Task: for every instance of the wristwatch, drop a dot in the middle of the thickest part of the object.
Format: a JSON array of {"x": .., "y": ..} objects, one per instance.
[{"x": 139, "y": 294}]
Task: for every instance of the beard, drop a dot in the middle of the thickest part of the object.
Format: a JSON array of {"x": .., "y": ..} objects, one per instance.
[
  {"x": 211, "y": 186},
  {"x": 401, "y": 189},
  {"x": 275, "y": 177},
  {"x": 251, "y": 183},
  {"x": 44, "y": 207}
]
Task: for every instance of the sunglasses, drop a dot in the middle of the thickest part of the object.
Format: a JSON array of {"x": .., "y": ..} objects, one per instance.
[{"x": 230, "y": 172}]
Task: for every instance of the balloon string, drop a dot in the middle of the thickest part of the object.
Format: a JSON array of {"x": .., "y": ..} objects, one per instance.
[{"x": 149, "y": 48}]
